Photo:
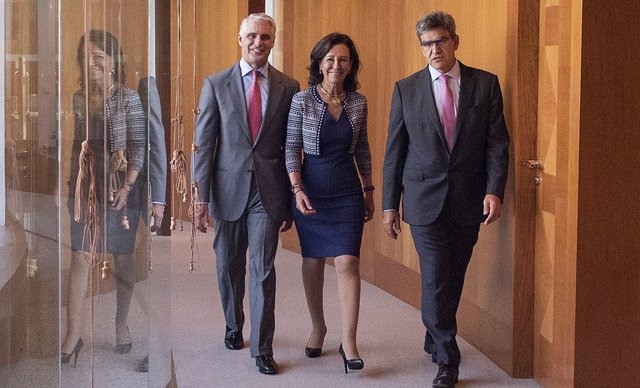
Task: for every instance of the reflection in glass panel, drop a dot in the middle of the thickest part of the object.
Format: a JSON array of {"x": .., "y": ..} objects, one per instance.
[
  {"x": 29, "y": 261},
  {"x": 74, "y": 240}
]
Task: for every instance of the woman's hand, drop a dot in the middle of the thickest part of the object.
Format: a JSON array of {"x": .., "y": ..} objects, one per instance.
[
  {"x": 120, "y": 199},
  {"x": 369, "y": 206},
  {"x": 303, "y": 204}
]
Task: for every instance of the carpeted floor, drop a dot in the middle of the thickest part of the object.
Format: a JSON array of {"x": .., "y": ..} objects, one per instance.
[
  {"x": 390, "y": 336},
  {"x": 181, "y": 311}
]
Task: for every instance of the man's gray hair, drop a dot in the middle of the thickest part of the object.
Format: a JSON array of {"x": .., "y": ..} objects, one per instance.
[
  {"x": 437, "y": 19},
  {"x": 258, "y": 16}
]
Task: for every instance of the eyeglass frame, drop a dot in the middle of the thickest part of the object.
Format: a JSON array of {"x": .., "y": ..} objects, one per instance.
[{"x": 438, "y": 42}]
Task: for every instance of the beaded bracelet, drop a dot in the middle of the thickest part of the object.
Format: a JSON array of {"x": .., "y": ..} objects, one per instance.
[{"x": 296, "y": 186}]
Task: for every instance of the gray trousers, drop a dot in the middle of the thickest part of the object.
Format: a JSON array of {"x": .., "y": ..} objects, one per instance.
[{"x": 257, "y": 232}]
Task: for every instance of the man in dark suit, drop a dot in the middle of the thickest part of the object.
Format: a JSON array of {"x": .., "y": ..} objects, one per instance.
[
  {"x": 446, "y": 157},
  {"x": 239, "y": 167}
]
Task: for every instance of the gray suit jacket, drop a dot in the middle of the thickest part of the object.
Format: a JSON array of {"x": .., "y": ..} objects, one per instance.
[
  {"x": 227, "y": 158},
  {"x": 418, "y": 166},
  {"x": 157, "y": 162}
]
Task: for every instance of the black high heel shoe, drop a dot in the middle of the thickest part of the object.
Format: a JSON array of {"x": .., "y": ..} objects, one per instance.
[
  {"x": 353, "y": 364},
  {"x": 124, "y": 348},
  {"x": 66, "y": 357},
  {"x": 314, "y": 352}
]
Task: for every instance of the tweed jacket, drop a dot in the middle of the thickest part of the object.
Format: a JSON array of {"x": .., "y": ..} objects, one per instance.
[
  {"x": 305, "y": 120},
  {"x": 126, "y": 125}
]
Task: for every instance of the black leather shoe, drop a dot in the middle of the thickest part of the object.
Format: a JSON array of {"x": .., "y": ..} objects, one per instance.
[
  {"x": 233, "y": 340},
  {"x": 447, "y": 377},
  {"x": 267, "y": 365}
]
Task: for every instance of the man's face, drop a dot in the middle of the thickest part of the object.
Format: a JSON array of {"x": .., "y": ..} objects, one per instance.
[
  {"x": 439, "y": 48},
  {"x": 256, "y": 39}
]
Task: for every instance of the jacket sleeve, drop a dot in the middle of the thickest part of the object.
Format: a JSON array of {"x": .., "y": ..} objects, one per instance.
[
  {"x": 362, "y": 151},
  {"x": 206, "y": 136},
  {"x": 395, "y": 154},
  {"x": 136, "y": 132},
  {"x": 497, "y": 146},
  {"x": 293, "y": 146}
]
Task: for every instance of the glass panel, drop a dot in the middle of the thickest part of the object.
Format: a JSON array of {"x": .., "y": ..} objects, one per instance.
[
  {"x": 103, "y": 57},
  {"x": 29, "y": 259},
  {"x": 74, "y": 239}
]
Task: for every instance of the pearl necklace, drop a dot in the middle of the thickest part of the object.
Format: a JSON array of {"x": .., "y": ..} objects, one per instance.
[{"x": 334, "y": 99}]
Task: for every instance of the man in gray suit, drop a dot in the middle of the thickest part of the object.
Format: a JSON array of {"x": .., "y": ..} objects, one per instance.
[
  {"x": 447, "y": 158},
  {"x": 157, "y": 162},
  {"x": 239, "y": 167},
  {"x": 157, "y": 166}
]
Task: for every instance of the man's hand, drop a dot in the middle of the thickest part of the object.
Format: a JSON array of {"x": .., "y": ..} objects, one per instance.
[
  {"x": 492, "y": 207},
  {"x": 201, "y": 217},
  {"x": 157, "y": 213},
  {"x": 391, "y": 223}
]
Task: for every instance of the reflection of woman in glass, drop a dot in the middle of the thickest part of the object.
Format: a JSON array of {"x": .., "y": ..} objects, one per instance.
[{"x": 109, "y": 119}]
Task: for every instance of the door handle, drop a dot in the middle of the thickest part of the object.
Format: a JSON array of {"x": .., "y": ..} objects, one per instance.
[{"x": 532, "y": 164}]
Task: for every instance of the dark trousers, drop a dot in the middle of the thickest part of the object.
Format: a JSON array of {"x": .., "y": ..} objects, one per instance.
[
  {"x": 444, "y": 248},
  {"x": 255, "y": 231}
]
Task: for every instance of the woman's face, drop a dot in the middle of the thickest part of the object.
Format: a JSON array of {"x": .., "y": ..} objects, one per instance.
[
  {"x": 336, "y": 65},
  {"x": 99, "y": 66}
]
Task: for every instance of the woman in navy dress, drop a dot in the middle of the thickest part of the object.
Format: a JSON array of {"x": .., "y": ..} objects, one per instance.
[{"x": 329, "y": 164}]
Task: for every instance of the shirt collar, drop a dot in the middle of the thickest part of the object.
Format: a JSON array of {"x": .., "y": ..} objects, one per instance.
[
  {"x": 453, "y": 73},
  {"x": 246, "y": 68}
]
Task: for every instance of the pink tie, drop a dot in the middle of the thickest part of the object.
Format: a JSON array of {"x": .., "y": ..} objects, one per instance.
[
  {"x": 448, "y": 112},
  {"x": 255, "y": 107}
]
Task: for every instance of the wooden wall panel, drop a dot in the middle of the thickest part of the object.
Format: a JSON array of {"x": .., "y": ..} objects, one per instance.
[{"x": 607, "y": 307}]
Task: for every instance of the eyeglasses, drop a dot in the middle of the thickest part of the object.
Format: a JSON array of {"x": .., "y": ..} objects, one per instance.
[{"x": 431, "y": 43}]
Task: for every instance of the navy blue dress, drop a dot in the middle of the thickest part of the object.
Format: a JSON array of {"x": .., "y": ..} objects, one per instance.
[{"x": 332, "y": 184}]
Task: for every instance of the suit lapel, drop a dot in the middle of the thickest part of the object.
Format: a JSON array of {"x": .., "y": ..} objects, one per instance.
[
  {"x": 428, "y": 100},
  {"x": 467, "y": 87},
  {"x": 235, "y": 93},
  {"x": 275, "y": 94}
]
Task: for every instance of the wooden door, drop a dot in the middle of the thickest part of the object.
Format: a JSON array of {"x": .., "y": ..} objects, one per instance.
[{"x": 555, "y": 178}]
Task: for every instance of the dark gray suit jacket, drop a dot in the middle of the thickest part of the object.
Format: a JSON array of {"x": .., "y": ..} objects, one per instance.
[
  {"x": 418, "y": 166},
  {"x": 227, "y": 157}
]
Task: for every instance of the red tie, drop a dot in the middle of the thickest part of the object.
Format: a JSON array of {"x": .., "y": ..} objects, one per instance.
[
  {"x": 255, "y": 107},
  {"x": 448, "y": 112}
]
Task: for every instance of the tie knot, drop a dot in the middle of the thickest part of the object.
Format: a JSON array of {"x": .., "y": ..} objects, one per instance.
[
  {"x": 444, "y": 78},
  {"x": 256, "y": 74}
]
